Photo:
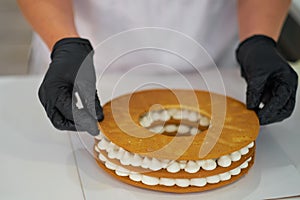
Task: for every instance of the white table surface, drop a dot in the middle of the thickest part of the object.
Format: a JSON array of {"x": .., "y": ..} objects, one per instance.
[{"x": 39, "y": 162}]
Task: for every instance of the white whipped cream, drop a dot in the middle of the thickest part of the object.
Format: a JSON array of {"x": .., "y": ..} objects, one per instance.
[
  {"x": 193, "y": 117},
  {"x": 235, "y": 171},
  {"x": 224, "y": 161},
  {"x": 155, "y": 164},
  {"x": 146, "y": 162},
  {"x": 157, "y": 129},
  {"x": 97, "y": 149},
  {"x": 164, "y": 116},
  {"x": 172, "y": 111},
  {"x": 110, "y": 165},
  {"x": 171, "y": 128},
  {"x": 199, "y": 182},
  {"x": 192, "y": 167},
  {"x": 183, "y": 129},
  {"x": 135, "y": 177},
  {"x": 225, "y": 176},
  {"x": 155, "y": 116},
  {"x": 181, "y": 182},
  {"x": 213, "y": 179},
  {"x": 182, "y": 164},
  {"x": 149, "y": 118},
  {"x": 126, "y": 158},
  {"x": 235, "y": 156},
  {"x": 99, "y": 137},
  {"x": 209, "y": 165},
  {"x": 148, "y": 180},
  {"x": 244, "y": 150},
  {"x": 136, "y": 160},
  {"x": 167, "y": 181},
  {"x": 194, "y": 131},
  {"x": 185, "y": 114},
  {"x": 102, "y": 157},
  {"x": 174, "y": 167},
  {"x": 120, "y": 171},
  {"x": 204, "y": 121}
]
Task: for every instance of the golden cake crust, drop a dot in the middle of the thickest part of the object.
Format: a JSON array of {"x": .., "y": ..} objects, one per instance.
[{"x": 121, "y": 124}]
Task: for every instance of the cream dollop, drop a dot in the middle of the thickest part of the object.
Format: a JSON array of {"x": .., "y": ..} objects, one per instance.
[
  {"x": 213, "y": 179},
  {"x": 167, "y": 181},
  {"x": 121, "y": 171},
  {"x": 182, "y": 129},
  {"x": 204, "y": 121},
  {"x": 155, "y": 116},
  {"x": 146, "y": 162},
  {"x": 126, "y": 159},
  {"x": 224, "y": 161},
  {"x": 194, "y": 131},
  {"x": 225, "y": 176},
  {"x": 235, "y": 156},
  {"x": 164, "y": 116},
  {"x": 155, "y": 164},
  {"x": 209, "y": 164},
  {"x": 148, "y": 180},
  {"x": 192, "y": 167},
  {"x": 174, "y": 167},
  {"x": 182, "y": 182},
  {"x": 171, "y": 128},
  {"x": 135, "y": 177},
  {"x": 199, "y": 182},
  {"x": 250, "y": 145},
  {"x": 103, "y": 144},
  {"x": 193, "y": 117},
  {"x": 235, "y": 171},
  {"x": 99, "y": 136},
  {"x": 110, "y": 165},
  {"x": 136, "y": 160},
  {"x": 244, "y": 150}
]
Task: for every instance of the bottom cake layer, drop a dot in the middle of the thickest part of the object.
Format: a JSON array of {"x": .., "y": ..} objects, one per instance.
[{"x": 176, "y": 188}]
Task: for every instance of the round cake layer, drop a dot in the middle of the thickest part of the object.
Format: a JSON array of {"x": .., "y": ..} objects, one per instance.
[
  {"x": 179, "y": 185},
  {"x": 122, "y": 124}
]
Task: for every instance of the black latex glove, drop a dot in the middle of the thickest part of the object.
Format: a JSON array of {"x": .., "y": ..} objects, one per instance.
[
  {"x": 269, "y": 78},
  {"x": 71, "y": 70}
]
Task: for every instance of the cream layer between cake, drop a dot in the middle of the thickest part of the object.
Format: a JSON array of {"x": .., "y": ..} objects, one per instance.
[{"x": 191, "y": 166}]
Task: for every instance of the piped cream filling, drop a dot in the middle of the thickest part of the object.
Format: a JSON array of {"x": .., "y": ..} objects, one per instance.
[
  {"x": 126, "y": 158},
  {"x": 181, "y": 182},
  {"x": 151, "y": 117}
]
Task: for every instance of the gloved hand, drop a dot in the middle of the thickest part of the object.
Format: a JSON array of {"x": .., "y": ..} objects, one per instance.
[
  {"x": 71, "y": 70},
  {"x": 269, "y": 78}
]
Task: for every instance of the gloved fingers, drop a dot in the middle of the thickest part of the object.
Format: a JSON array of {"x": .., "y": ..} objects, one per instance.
[
  {"x": 85, "y": 122},
  {"x": 279, "y": 115},
  {"x": 60, "y": 122},
  {"x": 81, "y": 120},
  {"x": 90, "y": 101},
  {"x": 279, "y": 98},
  {"x": 98, "y": 108},
  {"x": 64, "y": 103},
  {"x": 279, "y": 103},
  {"x": 254, "y": 94}
]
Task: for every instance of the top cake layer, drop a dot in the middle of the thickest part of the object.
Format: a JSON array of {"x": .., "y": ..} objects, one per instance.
[{"x": 231, "y": 127}]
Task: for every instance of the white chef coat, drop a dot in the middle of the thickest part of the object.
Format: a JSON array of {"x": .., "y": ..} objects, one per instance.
[{"x": 211, "y": 23}]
